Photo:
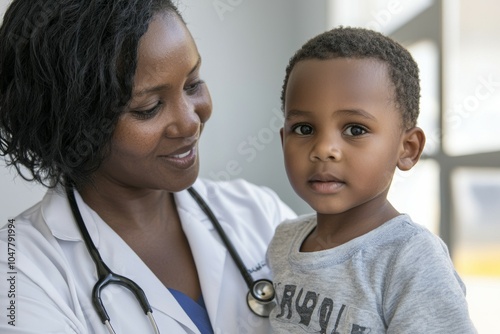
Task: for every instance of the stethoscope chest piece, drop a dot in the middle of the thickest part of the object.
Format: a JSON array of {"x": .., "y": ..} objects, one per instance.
[{"x": 260, "y": 298}]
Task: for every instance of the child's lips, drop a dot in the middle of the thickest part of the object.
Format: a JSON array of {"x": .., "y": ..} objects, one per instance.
[
  {"x": 325, "y": 183},
  {"x": 324, "y": 177}
]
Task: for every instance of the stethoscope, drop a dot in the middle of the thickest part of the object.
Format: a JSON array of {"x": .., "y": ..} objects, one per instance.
[{"x": 260, "y": 298}]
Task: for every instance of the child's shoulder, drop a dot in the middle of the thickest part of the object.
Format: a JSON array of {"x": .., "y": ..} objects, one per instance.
[
  {"x": 410, "y": 237},
  {"x": 290, "y": 228},
  {"x": 299, "y": 222},
  {"x": 408, "y": 229},
  {"x": 291, "y": 232}
]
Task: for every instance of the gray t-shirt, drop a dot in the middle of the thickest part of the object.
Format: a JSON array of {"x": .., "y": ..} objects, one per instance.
[{"x": 398, "y": 279}]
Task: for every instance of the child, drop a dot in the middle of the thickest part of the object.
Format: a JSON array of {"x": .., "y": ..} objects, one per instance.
[{"x": 351, "y": 101}]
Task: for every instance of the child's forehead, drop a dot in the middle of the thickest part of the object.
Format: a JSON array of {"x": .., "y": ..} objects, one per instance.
[
  {"x": 353, "y": 65},
  {"x": 360, "y": 72},
  {"x": 339, "y": 82}
]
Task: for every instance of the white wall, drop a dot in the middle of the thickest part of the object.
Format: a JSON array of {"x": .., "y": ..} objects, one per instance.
[{"x": 245, "y": 46}]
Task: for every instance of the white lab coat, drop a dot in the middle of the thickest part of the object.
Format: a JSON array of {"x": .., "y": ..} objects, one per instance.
[{"x": 54, "y": 274}]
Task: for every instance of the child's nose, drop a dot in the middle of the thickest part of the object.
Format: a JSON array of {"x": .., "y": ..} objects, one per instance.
[{"x": 326, "y": 148}]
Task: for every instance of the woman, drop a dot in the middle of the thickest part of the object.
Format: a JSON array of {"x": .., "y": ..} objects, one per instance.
[{"x": 103, "y": 100}]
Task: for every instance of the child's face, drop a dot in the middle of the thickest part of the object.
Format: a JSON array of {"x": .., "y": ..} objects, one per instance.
[{"x": 342, "y": 136}]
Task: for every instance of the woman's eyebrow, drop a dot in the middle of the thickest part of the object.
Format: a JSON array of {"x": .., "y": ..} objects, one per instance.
[
  {"x": 196, "y": 66},
  {"x": 160, "y": 87}
]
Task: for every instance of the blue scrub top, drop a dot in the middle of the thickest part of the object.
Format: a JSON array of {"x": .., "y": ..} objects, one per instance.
[{"x": 195, "y": 310}]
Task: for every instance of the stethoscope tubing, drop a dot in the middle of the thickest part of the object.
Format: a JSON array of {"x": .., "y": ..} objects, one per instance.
[
  {"x": 105, "y": 275},
  {"x": 260, "y": 297},
  {"x": 227, "y": 243},
  {"x": 259, "y": 303}
]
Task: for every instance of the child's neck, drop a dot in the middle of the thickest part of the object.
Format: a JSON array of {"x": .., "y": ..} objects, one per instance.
[{"x": 333, "y": 230}]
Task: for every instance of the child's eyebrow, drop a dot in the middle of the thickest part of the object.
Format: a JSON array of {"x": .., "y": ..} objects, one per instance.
[
  {"x": 357, "y": 112},
  {"x": 296, "y": 113},
  {"x": 290, "y": 114}
]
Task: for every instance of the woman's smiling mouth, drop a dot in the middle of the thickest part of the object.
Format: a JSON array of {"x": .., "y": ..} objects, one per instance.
[
  {"x": 182, "y": 155},
  {"x": 183, "y": 158}
]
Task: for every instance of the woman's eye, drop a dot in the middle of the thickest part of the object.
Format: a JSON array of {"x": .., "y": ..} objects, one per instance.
[
  {"x": 193, "y": 87},
  {"x": 147, "y": 114},
  {"x": 354, "y": 130},
  {"x": 303, "y": 129}
]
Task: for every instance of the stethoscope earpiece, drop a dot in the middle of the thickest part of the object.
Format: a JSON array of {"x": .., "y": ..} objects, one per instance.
[{"x": 260, "y": 298}]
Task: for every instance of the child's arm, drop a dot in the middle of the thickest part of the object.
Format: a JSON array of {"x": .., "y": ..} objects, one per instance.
[{"x": 424, "y": 294}]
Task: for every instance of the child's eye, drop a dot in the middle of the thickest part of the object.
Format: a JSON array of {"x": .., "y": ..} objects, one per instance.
[
  {"x": 354, "y": 130},
  {"x": 302, "y": 129}
]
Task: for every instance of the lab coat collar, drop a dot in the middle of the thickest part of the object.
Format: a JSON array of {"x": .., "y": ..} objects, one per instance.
[
  {"x": 209, "y": 254},
  {"x": 57, "y": 214}
]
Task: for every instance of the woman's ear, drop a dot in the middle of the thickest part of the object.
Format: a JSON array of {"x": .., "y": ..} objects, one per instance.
[{"x": 413, "y": 142}]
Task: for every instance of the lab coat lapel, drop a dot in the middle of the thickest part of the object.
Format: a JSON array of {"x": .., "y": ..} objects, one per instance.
[
  {"x": 160, "y": 298},
  {"x": 208, "y": 253},
  {"x": 115, "y": 253}
]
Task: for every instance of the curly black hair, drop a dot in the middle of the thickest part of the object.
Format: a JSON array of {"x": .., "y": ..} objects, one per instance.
[
  {"x": 66, "y": 72},
  {"x": 349, "y": 42}
]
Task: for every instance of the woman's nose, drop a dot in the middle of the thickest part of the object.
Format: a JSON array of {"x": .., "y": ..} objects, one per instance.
[
  {"x": 187, "y": 116},
  {"x": 326, "y": 147}
]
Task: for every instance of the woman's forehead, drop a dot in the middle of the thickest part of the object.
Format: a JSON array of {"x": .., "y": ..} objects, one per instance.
[{"x": 167, "y": 46}]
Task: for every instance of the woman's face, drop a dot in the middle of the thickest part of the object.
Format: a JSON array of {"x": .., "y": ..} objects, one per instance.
[{"x": 155, "y": 143}]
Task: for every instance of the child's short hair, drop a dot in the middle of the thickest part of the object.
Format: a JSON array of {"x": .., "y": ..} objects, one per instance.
[{"x": 347, "y": 42}]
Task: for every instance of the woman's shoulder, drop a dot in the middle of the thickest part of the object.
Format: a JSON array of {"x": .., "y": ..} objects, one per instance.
[
  {"x": 245, "y": 197},
  {"x": 33, "y": 240},
  {"x": 237, "y": 187},
  {"x": 37, "y": 227},
  {"x": 26, "y": 219},
  {"x": 240, "y": 190}
]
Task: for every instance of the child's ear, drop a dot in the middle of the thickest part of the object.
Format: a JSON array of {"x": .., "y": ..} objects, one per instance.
[
  {"x": 413, "y": 144},
  {"x": 281, "y": 136}
]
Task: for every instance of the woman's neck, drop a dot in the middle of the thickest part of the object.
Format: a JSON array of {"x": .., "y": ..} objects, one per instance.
[{"x": 126, "y": 208}]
